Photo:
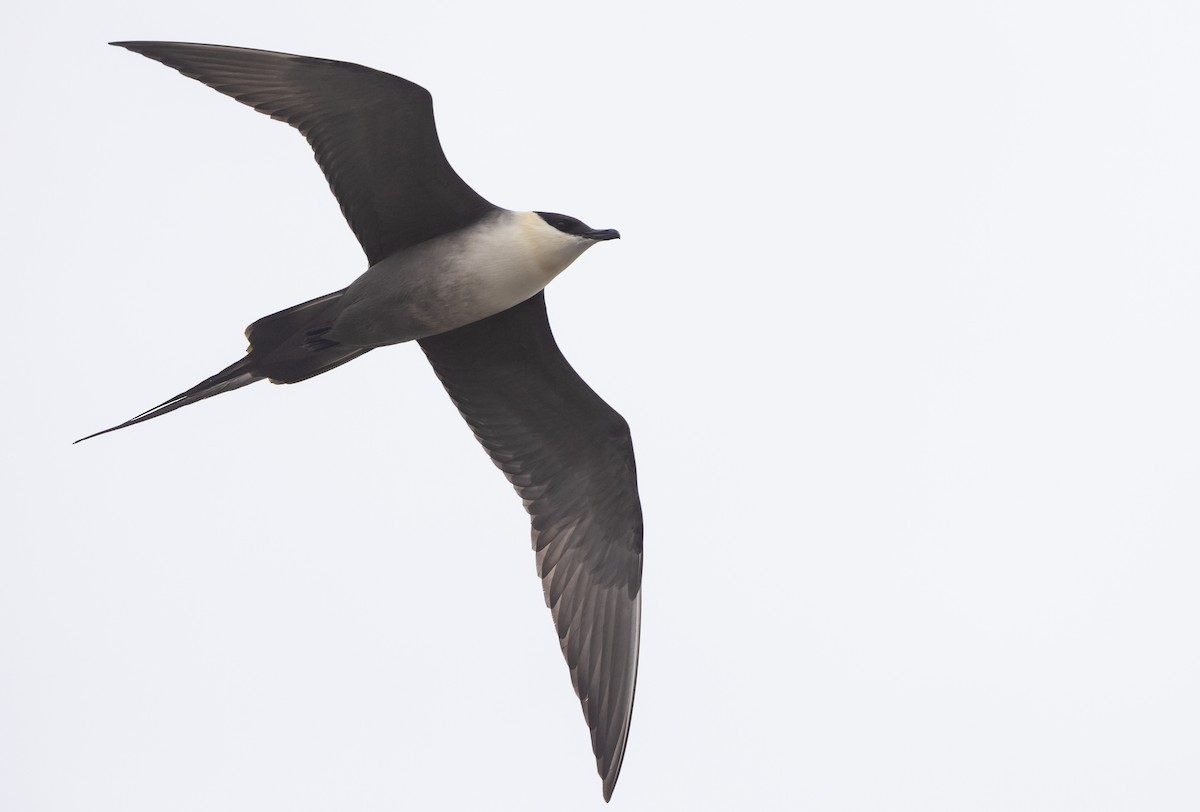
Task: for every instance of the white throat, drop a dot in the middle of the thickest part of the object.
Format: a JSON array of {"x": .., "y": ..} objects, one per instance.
[{"x": 513, "y": 255}]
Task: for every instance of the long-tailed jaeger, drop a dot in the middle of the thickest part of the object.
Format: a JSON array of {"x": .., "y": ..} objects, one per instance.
[{"x": 463, "y": 278}]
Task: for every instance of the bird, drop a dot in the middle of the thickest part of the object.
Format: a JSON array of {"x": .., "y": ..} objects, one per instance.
[{"x": 464, "y": 279}]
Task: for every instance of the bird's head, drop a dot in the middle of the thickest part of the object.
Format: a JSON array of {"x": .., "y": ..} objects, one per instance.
[{"x": 569, "y": 225}]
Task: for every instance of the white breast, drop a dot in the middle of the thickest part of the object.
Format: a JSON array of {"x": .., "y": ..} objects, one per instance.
[{"x": 508, "y": 258}]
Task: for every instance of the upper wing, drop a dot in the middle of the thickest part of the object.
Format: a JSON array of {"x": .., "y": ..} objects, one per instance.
[
  {"x": 569, "y": 455},
  {"x": 373, "y": 134}
]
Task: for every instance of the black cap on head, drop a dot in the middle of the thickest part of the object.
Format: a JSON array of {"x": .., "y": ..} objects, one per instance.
[{"x": 569, "y": 225}]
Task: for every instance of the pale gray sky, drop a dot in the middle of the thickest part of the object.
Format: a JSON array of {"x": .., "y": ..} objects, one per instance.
[{"x": 904, "y": 321}]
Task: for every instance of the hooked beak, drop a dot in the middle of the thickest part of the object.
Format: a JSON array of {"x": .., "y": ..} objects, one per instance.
[{"x": 603, "y": 234}]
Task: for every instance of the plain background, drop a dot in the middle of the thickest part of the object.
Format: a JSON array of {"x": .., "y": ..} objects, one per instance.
[{"x": 904, "y": 320}]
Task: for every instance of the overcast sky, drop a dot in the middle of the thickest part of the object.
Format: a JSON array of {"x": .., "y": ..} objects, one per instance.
[{"x": 904, "y": 320}]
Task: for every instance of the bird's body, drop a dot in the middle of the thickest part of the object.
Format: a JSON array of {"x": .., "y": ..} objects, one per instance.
[
  {"x": 454, "y": 279},
  {"x": 465, "y": 279}
]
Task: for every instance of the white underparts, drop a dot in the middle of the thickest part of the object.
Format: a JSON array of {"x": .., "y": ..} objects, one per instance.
[{"x": 455, "y": 279}]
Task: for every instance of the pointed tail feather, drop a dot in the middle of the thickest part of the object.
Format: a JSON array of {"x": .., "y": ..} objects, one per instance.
[
  {"x": 232, "y": 377},
  {"x": 285, "y": 347}
]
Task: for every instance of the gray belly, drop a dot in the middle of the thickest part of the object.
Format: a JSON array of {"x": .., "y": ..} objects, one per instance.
[
  {"x": 403, "y": 311},
  {"x": 389, "y": 305}
]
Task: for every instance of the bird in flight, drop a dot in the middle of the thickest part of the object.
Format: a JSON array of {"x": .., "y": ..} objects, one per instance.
[{"x": 464, "y": 279}]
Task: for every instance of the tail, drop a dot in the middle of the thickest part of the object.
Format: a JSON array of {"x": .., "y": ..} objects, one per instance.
[{"x": 285, "y": 347}]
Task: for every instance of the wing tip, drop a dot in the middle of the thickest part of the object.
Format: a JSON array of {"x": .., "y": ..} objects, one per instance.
[
  {"x": 618, "y": 759},
  {"x": 610, "y": 784},
  {"x": 143, "y": 47},
  {"x": 610, "y": 780}
]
